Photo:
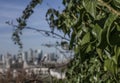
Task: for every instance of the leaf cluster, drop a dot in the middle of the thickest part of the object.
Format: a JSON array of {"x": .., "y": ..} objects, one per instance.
[
  {"x": 22, "y": 21},
  {"x": 93, "y": 27}
]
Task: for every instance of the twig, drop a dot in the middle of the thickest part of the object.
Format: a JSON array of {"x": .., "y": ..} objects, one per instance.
[{"x": 39, "y": 30}]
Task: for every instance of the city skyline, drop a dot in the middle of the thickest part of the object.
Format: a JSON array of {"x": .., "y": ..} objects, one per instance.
[{"x": 10, "y": 10}]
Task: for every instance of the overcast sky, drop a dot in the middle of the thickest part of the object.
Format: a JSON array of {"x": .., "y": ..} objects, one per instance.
[{"x": 12, "y": 9}]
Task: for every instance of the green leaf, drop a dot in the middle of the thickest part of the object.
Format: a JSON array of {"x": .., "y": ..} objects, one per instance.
[
  {"x": 117, "y": 3},
  {"x": 108, "y": 24},
  {"x": 85, "y": 39},
  {"x": 118, "y": 27},
  {"x": 89, "y": 48},
  {"x": 76, "y": 49},
  {"x": 102, "y": 41},
  {"x": 114, "y": 58},
  {"x": 70, "y": 4},
  {"x": 96, "y": 30},
  {"x": 100, "y": 53},
  {"x": 72, "y": 40},
  {"x": 110, "y": 66},
  {"x": 117, "y": 54},
  {"x": 90, "y": 6},
  {"x": 107, "y": 53}
]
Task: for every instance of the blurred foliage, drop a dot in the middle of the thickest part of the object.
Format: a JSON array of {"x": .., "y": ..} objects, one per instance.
[{"x": 94, "y": 29}]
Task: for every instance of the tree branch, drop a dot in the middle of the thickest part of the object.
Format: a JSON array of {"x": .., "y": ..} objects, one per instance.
[
  {"x": 109, "y": 7},
  {"x": 39, "y": 30}
]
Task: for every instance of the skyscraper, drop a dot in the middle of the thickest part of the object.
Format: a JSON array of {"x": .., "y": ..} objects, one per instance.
[
  {"x": 38, "y": 54},
  {"x": 1, "y": 57},
  {"x": 30, "y": 55}
]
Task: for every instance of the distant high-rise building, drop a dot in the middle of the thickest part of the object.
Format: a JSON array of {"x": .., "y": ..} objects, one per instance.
[
  {"x": 31, "y": 55},
  {"x": 50, "y": 57},
  {"x": 20, "y": 58},
  {"x": 53, "y": 57},
  {"x": 1, "y": 57},
  {"x": 14, "y": 57},
  {"x": 7, "y": 60},
  {"x": 9, "y": 55},
  {"x": 23, "y": 56},
  {"x": 26, "y": 56},
  {"x": 38, "y": 55}
]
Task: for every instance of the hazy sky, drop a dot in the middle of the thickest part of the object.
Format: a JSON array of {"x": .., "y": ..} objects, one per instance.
[{"x": 12, "y": 9}]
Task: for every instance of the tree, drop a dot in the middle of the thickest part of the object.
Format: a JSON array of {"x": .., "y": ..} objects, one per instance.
[{"x": 93, "y": 27}]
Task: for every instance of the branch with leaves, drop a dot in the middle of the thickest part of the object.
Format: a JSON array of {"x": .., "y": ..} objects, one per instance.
[{"x": 43, "y": 32}]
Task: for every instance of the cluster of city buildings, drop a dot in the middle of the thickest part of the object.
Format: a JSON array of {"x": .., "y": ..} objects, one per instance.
[{"x": 32, "y": 61}]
